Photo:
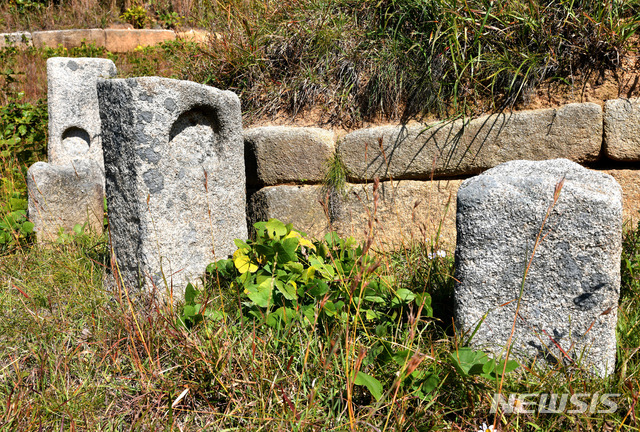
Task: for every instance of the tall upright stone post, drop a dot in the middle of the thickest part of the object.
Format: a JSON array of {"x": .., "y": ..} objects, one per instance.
[
  {"x": 69, "y": 190},
  {"x": 175, "y": 178},
  {"x": 569, "y": 298},
  {"x": 74, "y": 117}
]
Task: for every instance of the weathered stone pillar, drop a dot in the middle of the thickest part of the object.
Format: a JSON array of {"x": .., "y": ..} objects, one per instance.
[
  {"x": 69, "y": 190},
  {"x": 74, "y": 118},
  {"x": 570, "y": 296},
  {"x": 175, "y": 177}
]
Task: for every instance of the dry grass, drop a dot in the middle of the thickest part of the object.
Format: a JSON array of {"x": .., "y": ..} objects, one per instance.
[{"x": 82, "y": 353}]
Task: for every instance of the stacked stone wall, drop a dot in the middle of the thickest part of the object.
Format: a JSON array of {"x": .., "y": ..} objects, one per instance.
[{"x": 420, "y": 167}]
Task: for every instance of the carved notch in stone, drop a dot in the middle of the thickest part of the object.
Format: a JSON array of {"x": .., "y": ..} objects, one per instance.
[{"x": 175, "y": 177}]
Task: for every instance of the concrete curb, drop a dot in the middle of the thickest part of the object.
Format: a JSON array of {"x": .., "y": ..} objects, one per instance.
[{"x": 114, "y": 40}]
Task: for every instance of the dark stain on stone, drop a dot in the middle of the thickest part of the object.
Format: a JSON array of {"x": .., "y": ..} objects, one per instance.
[
  {"x": 72, "y": 65},
  {"x": 146, "y": 116},
  {"x": 587, "y": 301},
  {"x": 148, "y": 155},
  {"x": 145, "y": 97},
  {"x": 154, "y": 180},
  {"x": 141, "y": 136},
  {"x": 170, "y": 104}
]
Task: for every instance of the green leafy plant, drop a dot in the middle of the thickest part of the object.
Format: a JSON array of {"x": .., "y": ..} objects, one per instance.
[
  {"x": 27, "y": 6},
  {"x": 170, "y": 20},
  {"x": 23, "y": 131},
  {"x": 77, "y": 234},
  {"x": 194, "y": 312},
  {"x": 283, "y": 277},
  {"x": 84, "y": 50},
  {"x": 136, "y": 16},
  {"x": 22, "y": 142},
  {"x": 14, "y": 226},
  {"x": 469, "y": 362}
]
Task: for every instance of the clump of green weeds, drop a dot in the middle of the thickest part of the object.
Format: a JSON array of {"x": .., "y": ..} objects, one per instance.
[
  {"x": 170, "y": 20},
  {"x": 136, "y": 16},
  {"x": 22, "y": 143},
  {"x": 283, "y": 277}
]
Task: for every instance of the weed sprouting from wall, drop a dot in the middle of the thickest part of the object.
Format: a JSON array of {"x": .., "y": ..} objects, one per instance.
[{"x": 334, "y": 187}]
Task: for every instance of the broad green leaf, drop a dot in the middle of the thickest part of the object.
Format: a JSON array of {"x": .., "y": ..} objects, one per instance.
[
  {"x": 27, "y": 227},
  {"x": 430, "y": 383},
  {"x": 190, "y": 294},
  {"x": 294, "y": 267},
  {"x": 373, "y": 385},
  {"x": 288, "y": 290},
  {"x": 225, "y": 267},
  {"x": 401, "y": 357},
  {"x": 241, "y": 244},
  {"x": 265, "y": 250},
  {"x": 467, "y": 361},
  {"x": 323, "y": 250},
  {"x": 489, "y": 366},
  {"x": 273, "y": 321},
  {"x": 405, "y": 295},
  {"x": 286, "y": 250},
  {"x": 329, "y": 308},
  {"x": 308, "y": 312},
  {"x": 371, "y": 314},
  {"x": 260, "y": 294},
  {"x": 511, "y": 366},
  {"x": 319, "y": 288},
  {"x": 285, "y": 314},
  {"x": 188, "y": 311},
  {"x": 214, "y": 315},
  {"x": 17, "y": 204},
  {"x": 275, "y": 229},
  {"x": 308, "y": 275},
  {"x": 374, "y": 299},
  {"x": 325, "y": 269}
]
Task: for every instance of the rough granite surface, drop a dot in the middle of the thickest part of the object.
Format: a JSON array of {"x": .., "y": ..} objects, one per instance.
[
  {"x": 280, "y": 154},
  {"x": 418, "y": 151},
  {"x": 571, "y": 291},
  {"x": 74, "y": 119},
  {"x": 63, "y": 196},
  {"x": 622, "y": 129},
  {"x": 175, "y": 177}
]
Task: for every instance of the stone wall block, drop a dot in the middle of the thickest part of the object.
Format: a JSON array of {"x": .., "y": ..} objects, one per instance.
[
  {"x": 277, "y": 155},
  {"x": 407, "y": 211},
  {"x": 68, "y": 38},
  {"x": 296, "y": 204},
  {"x": 17, "y": 39},
  {"x": 63, "y": 196},
  {"x": 415, "y": 151},
  {"x": 629, "y": 181},
  {"x": 622, "y": 129},
  {"x": 74, "y": 118},
  {"x": 175, "y": 177},
  {"x": 124, "y": 40},
  {"x": 571, "y": 291}
]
